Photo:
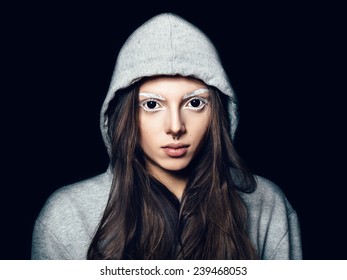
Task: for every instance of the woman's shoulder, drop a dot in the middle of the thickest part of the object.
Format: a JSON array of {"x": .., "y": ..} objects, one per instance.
[
  {"x": 84, "y": 199},
  {"x": 67, "y": 221},
  {"x": 267, "y": 194},
  {"x": 272, "y": 222}
]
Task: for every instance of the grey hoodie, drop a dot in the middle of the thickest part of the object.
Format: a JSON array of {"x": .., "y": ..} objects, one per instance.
[{"x": 164, "y": 45}]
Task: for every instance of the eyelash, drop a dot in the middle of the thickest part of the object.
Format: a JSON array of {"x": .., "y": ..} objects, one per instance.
[{"x": 144, "y": 102}]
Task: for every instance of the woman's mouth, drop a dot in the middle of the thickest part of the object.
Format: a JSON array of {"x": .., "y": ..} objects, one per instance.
[{"x": 176, "y": 150}]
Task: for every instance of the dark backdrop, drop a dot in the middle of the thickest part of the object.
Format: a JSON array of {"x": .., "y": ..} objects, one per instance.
[{"x": 283, "y": 60}]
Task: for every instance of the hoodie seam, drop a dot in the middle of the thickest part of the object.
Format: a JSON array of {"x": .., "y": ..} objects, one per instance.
[
  {"x": 54, "y": 236},
  {"x": 279, "y": 245}
]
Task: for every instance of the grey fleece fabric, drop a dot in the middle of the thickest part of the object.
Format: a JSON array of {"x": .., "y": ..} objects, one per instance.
[
  {"x": 70, "y": 216},
  {"x": 164, "y": 45}
]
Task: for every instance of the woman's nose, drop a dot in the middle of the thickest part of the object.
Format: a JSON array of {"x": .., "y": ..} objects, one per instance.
[{"x": 175, "y": 125}]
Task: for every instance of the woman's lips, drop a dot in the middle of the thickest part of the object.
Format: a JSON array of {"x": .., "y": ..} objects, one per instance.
[{"x": 175, "y": 150}]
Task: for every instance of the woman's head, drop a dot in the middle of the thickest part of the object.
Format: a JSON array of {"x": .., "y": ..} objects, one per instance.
[{"x": 168, "y": 45}]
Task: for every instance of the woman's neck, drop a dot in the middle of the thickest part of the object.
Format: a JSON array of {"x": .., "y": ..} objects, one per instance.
[{"x": 175, "y": 181}]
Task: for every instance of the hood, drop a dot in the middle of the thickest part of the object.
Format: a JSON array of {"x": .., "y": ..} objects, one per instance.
[{"x": 168, "y": 45}]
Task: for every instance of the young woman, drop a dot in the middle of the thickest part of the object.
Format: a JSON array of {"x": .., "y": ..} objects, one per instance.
[{"x": 175, "y": 187}]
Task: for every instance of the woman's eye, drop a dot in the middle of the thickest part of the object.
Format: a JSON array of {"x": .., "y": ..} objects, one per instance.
[
  {"x": 196, "y": 103},
  {"x": 150, "y": 105}
]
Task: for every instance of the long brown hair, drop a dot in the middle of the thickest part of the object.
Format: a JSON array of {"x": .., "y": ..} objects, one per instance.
[{"x": 144, "y": 220}]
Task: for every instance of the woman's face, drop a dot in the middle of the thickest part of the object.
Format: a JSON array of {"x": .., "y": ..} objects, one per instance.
[{"x": 174, "y": 115}]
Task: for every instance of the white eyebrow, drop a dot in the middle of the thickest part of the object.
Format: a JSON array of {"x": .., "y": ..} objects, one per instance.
[
  {"x": 195, "y": 92},
  {"x": 186, "y": 96},
  {"x": 151, "y": 95}
]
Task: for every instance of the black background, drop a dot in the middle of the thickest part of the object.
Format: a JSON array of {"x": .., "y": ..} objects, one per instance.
[{"x": 285, "y": 62}]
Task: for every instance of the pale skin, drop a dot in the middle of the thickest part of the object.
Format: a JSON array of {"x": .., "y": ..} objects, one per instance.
[{"x": 174, "y": 115}]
